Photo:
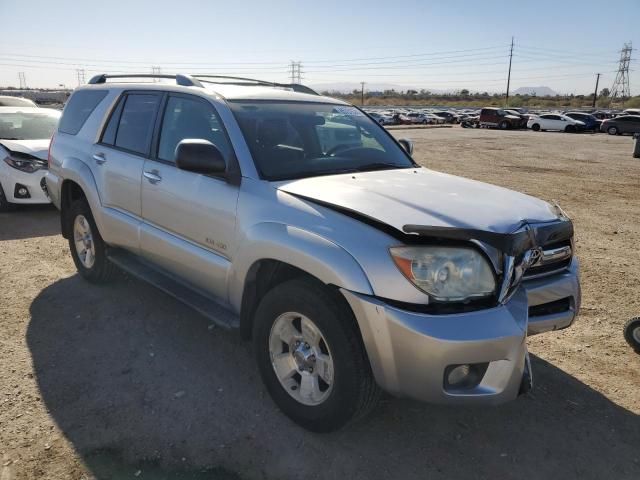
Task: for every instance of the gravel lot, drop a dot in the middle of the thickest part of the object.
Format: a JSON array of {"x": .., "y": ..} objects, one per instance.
[{"x": 123, "y": 382}]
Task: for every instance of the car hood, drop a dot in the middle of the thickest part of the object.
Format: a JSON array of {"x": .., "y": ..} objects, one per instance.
[
  {"x": 37, "y": 148},
  {"x": 420, "y": 196}
]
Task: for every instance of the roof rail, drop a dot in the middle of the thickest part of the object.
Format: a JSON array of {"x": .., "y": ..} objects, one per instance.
[
  {"x": 184, "y": 80},
  {"x": 296, "y": 87}
]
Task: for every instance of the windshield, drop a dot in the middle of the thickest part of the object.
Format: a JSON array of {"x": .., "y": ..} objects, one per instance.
[
  {"x": 28, "y": 125},
  {"x": 296, "y": 140}
]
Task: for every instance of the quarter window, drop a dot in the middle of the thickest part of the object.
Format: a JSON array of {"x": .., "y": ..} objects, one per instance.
[
  {"x": 78, "y": 108},
  {"x": 190, "y": 118}
]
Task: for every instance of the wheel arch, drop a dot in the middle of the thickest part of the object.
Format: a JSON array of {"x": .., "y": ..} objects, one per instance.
[
  {"x": 273, "y": 253},
  {"x": 78, "y": 182}
]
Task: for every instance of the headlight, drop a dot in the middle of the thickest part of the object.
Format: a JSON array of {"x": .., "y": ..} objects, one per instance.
[
  {"x": 447, "y": 274},
  {"x": 28, "y": 165}
]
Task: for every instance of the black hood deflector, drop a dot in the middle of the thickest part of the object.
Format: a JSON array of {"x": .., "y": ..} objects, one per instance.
[{"x": 524, "y": 238}]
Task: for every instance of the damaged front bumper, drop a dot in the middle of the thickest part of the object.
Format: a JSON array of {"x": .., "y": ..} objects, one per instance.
[{"x": 414, "y": 354}]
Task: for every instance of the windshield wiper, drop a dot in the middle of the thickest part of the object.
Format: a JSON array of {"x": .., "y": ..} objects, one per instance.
[{"x": 378, "y": 166}]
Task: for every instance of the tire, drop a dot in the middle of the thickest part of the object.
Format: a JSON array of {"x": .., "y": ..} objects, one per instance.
[
  {"x": 570, "y": 129},
  {"x": 503, "y": 125},
  {"x": 535, "y": 127},
  {"x": 612, "y": 130},
  {"x": 632, "y": 333},
  {"x": 350, "y": 392},
  {"x": 80, "y": 220},
  {"x": 5, "y": 206}
]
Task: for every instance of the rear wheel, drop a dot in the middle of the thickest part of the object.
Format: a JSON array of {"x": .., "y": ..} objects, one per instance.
[
  {"x": 503, "y": 125},
  {"x": 87, "y": 247},
  {"x": 535, "y": 127},
  {"x": 612, "y": 130},
  {"x": 311, "y": 357},
  {"x": 632, "y": 333},
  {"x": 570, "y": 129}
]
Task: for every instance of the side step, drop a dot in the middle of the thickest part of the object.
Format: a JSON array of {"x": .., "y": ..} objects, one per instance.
[{"x": 196, "y": 299}]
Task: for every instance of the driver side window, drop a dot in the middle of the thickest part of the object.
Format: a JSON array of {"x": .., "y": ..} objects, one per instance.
[{"x": 190, "y": 118}]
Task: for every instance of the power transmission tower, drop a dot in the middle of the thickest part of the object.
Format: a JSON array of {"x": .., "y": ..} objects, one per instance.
[
  {"x": 621, "y": 83},
  {"x": 23, "y": 80},
  {"x": 506, "y": 102},
  {"x": 595, "y": 94},
  {"x": 295, "y": 71},
  {"x": 155, "y": 70},
  {"x": 80, "y": 74}
]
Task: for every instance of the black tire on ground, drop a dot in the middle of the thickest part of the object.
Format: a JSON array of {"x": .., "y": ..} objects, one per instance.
[
  {"x": 612, "y": 130},
  {"x": 570, "y": 129},
  {"x": 354, "y": 392},
  {"x": 5, "y": 206},
  {"x": 102, "y": 270},
  {"x": 535, "y": 127},
  {"x": 503, "y": 125},
  {"x": 632, "y": 333}
]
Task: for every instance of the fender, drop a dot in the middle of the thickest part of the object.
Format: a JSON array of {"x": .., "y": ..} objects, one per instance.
[
  {"x": 77, "y": 171},
  {"x": 305, "y": 250}
]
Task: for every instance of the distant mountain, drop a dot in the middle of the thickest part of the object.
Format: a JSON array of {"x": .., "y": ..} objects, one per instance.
[{"x": 537, "y": 91}]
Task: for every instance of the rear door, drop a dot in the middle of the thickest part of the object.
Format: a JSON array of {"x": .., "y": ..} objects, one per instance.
[
  {"x": 118, "y": 159},
  {"x": 189, "y": 218}
]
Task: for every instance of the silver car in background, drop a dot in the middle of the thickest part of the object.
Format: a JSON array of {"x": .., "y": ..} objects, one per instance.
[{"x": 299, "y": 220}]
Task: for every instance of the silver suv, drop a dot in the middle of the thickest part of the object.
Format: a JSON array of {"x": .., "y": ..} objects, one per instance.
[{"x": 299, "y": 220}]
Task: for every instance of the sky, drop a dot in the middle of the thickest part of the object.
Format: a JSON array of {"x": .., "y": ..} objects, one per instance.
[{"x": 434, "y": 45}]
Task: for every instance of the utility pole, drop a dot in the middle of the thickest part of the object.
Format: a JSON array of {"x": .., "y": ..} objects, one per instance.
[
  {"x": 362, "y": 93},
  {"x": 595, "y": 94},
  {"x": 23, "y": 80},
  {"x": 506, "y": 102}
]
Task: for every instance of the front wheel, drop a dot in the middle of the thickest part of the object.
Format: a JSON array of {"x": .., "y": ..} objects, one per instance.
[
  {"x": 503, "y": 125},
  {"x": 5, "y": 206},
  {"x": 535, "y": 127},
  {"x": 87, "y": 246},
  {"x": 612, "y": 130},
  {"x": 311, "y": 357},
  {"x": 632, "y": 333},
  {"x": 570, "y": 129}
]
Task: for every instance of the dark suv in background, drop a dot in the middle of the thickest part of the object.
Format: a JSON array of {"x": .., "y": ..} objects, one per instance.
[
  {"x": 622, "y": 124},
  {"x": 590, "y": 122}
]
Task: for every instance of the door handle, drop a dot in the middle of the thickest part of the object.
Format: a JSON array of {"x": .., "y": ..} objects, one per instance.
[
  {"x": 99, "y": 158},
  {"x": 152, "y": 176}
]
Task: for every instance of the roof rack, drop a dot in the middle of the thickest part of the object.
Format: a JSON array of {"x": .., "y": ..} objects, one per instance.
[
  {"x": 184, "y": 80},
  {"x": 219, "y": 79}
]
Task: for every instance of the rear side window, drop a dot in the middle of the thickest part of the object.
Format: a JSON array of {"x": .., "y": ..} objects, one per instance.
[
  {"x": 135, "y": 123},
  {"x": 78, "y": 108}
]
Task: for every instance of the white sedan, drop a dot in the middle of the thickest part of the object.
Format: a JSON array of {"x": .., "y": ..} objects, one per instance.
[
  {"x": 25, "y": 133},
  {"x": 554, "y": 121}
]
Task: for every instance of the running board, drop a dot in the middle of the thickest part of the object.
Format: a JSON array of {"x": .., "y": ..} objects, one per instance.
[{"x": 195, "y": 299}]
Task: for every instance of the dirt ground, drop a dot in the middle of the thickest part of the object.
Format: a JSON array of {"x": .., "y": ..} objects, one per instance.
[{"x": 122, "y": 382}]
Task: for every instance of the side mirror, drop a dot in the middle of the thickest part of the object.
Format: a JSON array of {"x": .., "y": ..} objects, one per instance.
[
  {"x": 199, "y": 156},
  {"x": 407, "y": 145}
]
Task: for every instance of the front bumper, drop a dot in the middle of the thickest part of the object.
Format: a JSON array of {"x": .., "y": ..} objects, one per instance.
[
  {"x": 410, "y": 353},
  {"x": 11, "y": 177}
]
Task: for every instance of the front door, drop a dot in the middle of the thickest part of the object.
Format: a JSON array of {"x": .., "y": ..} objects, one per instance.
[{"x": 189, "y": 218}]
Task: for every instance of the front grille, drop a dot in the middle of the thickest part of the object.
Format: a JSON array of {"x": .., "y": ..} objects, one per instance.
[{"x": 552, "y": 265}]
